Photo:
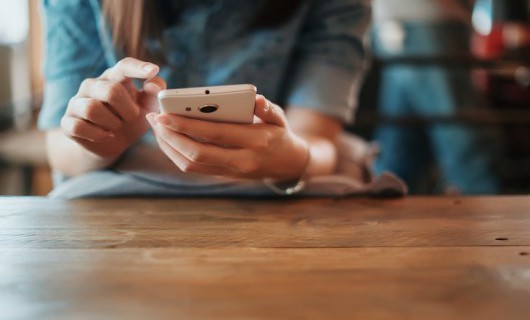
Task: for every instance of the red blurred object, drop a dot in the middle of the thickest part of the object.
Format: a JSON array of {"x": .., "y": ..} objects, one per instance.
[
  {"x": 503, "y": 39},
  {"x": 488, "y": 46},
  {"x": 507, "y": 35},
  {"x": 510, "y": 83}
]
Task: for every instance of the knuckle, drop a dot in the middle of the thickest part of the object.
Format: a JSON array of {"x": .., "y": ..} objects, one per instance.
[
  {"x": 114, "y": 93},
  {"x": 263, "y": 142},
  {"x": 85, "y": 84},
  {"x": 88, "y": 81},
  {"x": 133, "y": 114},
  {"x": 72, "y": 101},
  {"x": 123, "y": 62},
  {"x": 247, "y": 167},
  {"x": 76, "y": 128},
  {"x": 91, "y": 109},
  {"x": 106, "y": 72}
]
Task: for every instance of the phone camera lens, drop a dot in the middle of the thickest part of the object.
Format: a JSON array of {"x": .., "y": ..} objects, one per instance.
[
  {"x": 208, "y": 108},
  {"x": 188, "y": 109},
  {"x": 207, "y": 91}
]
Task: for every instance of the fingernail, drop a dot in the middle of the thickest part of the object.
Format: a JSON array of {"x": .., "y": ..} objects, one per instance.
[
  {"x": 149, "y": 67},
  {"x": 162, "y": 120},
  {"x": 151, "y": 119},
  {"x": 157, "y": 87},
  {"x": 267, "y": 105}
]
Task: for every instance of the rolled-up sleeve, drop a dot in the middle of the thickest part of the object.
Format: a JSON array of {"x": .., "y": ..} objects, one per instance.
[
  {"x": 73, "y": 52},
  {"x": 329, "y": 58}
]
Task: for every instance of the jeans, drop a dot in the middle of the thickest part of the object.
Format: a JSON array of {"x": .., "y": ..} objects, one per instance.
[{"x": 465, "y": 154}]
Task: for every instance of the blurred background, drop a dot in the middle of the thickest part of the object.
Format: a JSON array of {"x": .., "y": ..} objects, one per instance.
[{"x": 447, "y": 96}]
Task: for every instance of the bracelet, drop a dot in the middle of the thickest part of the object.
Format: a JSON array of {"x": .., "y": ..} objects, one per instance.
[{"x": 287, "y": 188}]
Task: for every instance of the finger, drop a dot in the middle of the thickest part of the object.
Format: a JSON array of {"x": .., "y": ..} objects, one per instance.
[
  {"x": 179, "y": 159},
  {"x": 112, "y": 93},
  {"x": 269, "y": 112},
  {"x": 81, "y": 129},
  {"x": 221, "y": 134},
  {"x": 95, "y": 112},
  {"x": 131, "y": 68},
  {"x": 183, "y": 163},
  {"x": 195, "y": 151},
  {"x": 131, "y": 88},
  {"x": 234, "y": 162},
  {"x": 158, "y": 82},
  {"x": 149, "y": 96}
]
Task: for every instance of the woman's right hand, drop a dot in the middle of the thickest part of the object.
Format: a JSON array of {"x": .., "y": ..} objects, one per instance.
[{"x": 107, "y": 115}]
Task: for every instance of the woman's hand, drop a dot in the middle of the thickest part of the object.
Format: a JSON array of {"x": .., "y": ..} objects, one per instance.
[
  {"x": 107, "y": 115},
  {"x": 264, "y": 149}
]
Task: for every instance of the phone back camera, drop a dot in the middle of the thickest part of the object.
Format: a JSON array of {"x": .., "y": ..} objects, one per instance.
[{"x": 208, "y": 108}]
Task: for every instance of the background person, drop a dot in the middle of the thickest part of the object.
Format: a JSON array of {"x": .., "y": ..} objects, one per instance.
[{"x": 466, "y": 155}]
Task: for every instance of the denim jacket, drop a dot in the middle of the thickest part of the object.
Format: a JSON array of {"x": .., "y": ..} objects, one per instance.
[{"x": 315, "y": 60}]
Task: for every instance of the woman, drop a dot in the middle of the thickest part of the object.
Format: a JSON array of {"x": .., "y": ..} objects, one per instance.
[{"x": 304, "y": 55}]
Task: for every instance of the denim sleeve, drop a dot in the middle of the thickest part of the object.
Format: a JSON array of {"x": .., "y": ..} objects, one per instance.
[
  {"x": 73, "y": 52},
  {"x": 329, "y": 58}
]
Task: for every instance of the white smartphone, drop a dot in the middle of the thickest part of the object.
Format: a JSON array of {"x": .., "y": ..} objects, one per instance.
[{"x": 233, "y": 103}]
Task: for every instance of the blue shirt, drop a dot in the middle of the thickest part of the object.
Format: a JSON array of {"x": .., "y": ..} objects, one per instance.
[{"x": 315, "y": 60}]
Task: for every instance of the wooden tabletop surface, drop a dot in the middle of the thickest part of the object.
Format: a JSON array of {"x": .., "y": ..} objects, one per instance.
[{"x": 413, "y": 258}]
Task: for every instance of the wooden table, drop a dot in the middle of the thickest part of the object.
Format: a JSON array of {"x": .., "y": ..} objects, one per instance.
[{"x": 414, "y": 258}]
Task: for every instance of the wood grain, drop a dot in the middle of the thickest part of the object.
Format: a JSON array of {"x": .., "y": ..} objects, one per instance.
[
  {"x": 247, "y": 283},
  {"x": 414, "y": 258},
  {"x": 128, "y": 223}
]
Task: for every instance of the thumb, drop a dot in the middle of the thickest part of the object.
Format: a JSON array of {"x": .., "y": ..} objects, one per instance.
[
  {"x": 269, "y": 112},
  {"x": 148, "y": 99}
]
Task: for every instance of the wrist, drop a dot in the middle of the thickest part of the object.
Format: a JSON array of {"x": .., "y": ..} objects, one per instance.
[
  {"x": 98, "y": 155},
  {"x": 295, "y": 185}
]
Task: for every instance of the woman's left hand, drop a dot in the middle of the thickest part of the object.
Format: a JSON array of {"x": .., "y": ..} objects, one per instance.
[{"x": 265, "y": 149}]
